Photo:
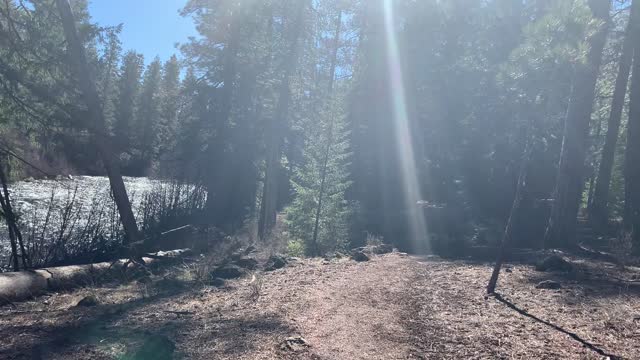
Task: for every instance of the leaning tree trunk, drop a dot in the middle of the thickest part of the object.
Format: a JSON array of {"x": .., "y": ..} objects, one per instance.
[
  {"x": 598, "y": 213},
  {"x": 632, "y": 153},
  {"x": 15, "y": 235},
  {"x": 508, "y": 231},
  {"x": 561, "y": 230},
  {"x": 269, "y": 202},
  {"x": 97, "y": 122}
]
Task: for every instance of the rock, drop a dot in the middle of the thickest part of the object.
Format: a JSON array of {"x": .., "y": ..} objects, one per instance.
[
  {"x": 87, "y": 301},
  {"x": 235, "y": 256},
  {"x": 247, "y": 263},
  {"x": 549, "y": 284},
  {"x": 382, "y": 249},
  {"x": 275, "y": 262},
  {"x": 155, "y": 347},
  {"x": 363, "y": 249},
  {"x": 554, "y": 263},
  {"x": 217, "y": 282},
  {"x": 249, "y": 249},
  {"x": 359, "y": 256},
  {"x": 228, "y": 271},
  {"x": 295, "y": 344}
]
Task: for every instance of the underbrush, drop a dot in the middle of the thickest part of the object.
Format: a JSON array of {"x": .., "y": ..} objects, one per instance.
[{"x": 69, "y": 228}]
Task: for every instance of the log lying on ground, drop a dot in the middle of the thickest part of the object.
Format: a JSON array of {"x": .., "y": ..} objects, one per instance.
[{"x": 22, "y": 285}]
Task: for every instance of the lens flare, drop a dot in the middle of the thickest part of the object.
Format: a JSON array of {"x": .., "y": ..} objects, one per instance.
[{"x": 404, "y": 141}]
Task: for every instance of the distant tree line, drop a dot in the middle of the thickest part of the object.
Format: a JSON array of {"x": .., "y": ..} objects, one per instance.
[{"x": 293, "y": 107}]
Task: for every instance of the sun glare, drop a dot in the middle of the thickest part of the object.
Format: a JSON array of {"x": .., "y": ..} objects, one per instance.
[{"x": 412, "y": 192}]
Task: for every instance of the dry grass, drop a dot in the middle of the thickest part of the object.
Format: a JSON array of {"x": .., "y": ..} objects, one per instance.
[{"x": 393, "y": 307}]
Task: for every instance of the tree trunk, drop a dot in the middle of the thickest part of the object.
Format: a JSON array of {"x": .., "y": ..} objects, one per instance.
[
  {"x": 9, "y": 218},
  {"x": 570, "y": 178},
  {"x": 269, "y": 203},
  {"x": 15, "y": 236},
  {"x": 97, "y": 122},
  {"x": 218, "y": 193},
  {"x": 632, "y": 153},
  {"x": 321, "y": 191},
  {"x": 598, "y": 213},
  {"x": 508, "y": 231},
  {"x": 323, "y": 180}
]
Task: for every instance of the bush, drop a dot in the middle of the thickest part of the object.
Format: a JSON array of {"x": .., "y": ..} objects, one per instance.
[{"x": 295, "y": 248}]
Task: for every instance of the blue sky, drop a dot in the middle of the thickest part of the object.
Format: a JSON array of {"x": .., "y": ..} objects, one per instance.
[{"x": 151, "y": 27}]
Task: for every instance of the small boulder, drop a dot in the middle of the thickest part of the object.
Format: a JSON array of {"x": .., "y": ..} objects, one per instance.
[
  {"x": 382, "y": 249},
  {"x": 87, "y": 301},
  {"x": 247, "y": 263},
  {"x": 549, "y": 284},
  {"x": 359, "y": 256},
  {"x": 363, "y": 249},
  {"x": 217, "y": 282},
  {"x": 294, "y": 344},
  {"x": 275, "y": 262},
  {"x": 554, "y": 263},
  {"x": 228, "y": 271}
]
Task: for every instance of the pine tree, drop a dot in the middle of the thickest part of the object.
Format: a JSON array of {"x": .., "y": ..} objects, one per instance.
[
  {"x": 170, "y": 94},
  {"x": 128, "y": 89},
  {"x": 190, "y": 139},
  {"x": 632, "y": 151},
  {"x": 148, "y": 116},
  {"x": 561, "y": 230},
  {"x": 320, "y": 214},
  {"x": 109, "y": 73}
]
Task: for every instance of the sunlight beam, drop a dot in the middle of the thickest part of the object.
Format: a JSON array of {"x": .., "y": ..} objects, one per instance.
[{"x": 404, "y": 141}]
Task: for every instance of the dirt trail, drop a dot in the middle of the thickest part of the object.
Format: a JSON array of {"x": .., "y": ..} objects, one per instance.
[
  {"x": 352, "y": 311},
  {"x": 392, "y": 307}
]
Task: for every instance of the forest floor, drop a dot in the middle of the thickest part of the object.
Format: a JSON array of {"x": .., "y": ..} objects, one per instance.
[{"x": 392, "y": 307}]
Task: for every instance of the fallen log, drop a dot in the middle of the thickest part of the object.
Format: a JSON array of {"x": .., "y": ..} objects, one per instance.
[{"x": 22, "y": 285}]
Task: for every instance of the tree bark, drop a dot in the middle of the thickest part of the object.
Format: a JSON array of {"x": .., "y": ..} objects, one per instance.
[
  {"x": 632, "y": 153},
  {"x": 97, "y": 122},
  {"x": 269, "y": 203},
  {"x": 561, "y": 230},
  {"x": 598, "y": 212}
]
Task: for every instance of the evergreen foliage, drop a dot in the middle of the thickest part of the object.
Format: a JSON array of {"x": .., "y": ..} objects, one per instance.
[
  {"x": 308, "y": 91},
  {"x": 320, "y": 184}
]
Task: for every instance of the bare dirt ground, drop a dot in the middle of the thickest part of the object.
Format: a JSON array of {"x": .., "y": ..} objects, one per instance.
[{"x": 392, "y": 307}]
